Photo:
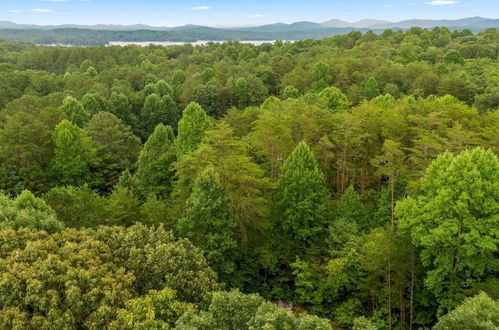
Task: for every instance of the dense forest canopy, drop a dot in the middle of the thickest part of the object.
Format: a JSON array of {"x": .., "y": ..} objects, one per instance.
[{"x": 348, "y": 182}]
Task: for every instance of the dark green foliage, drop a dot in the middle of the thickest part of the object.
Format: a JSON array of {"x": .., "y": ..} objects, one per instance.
[
  {"x": 209, "y": 224},
  {"x": 371, "y": 88},
  {"x": 158, "y": 110},
  {"x": 77, "y": 207},
  {"x": 290, "y": 161},
  {"x": 117, "y": 147},
  {"x": 155, "y": 163},
  {"x": 303, "y": 206}
]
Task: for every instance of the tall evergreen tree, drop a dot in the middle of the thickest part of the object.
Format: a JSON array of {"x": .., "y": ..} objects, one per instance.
[
  {"x": 155, "y": 164},
  {"x": 303, "y": 205},
  {"x": 74, "y": 153},
  {"x": 191, "y": 129},
  {"x": 117, "y": 147},
  {"x": 157, "y": 110},
  {"x": 209, "y": 224}
]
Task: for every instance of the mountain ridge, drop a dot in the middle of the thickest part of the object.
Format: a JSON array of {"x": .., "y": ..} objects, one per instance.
[{"x": 476, "y": 21}]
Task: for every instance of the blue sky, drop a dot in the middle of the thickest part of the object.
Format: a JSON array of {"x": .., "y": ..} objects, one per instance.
[{"x": 232, "y": 12}]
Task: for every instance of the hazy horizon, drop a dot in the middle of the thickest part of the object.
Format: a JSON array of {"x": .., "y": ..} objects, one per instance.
[{"x": 231, "y": 13}]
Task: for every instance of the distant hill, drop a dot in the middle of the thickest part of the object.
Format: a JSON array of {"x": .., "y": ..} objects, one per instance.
[{"x": 103, "y": 34}]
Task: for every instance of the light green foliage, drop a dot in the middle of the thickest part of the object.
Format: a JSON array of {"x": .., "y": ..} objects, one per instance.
[
  {"x": 209, "y": 223},
  {"x": 290, "y": 92},
  {"x": 75, "y": 112},
  {"x": 155, "y": 164},
  {"x": 74, "y": 153},
  {"x": 28, "y": 211},
  {"x": 154, "y": 310},
  {"x": 362, "y": 323},
  {"x": 454, "y": 220},
  {"x": 333, "y": 99},
  {"x": 476, "y": 313},
  {"x": 269, "y": 316},
  {"x": 303, "y": 206},
  {"x": 227, "y": 310},
  {"x": 191, "y": 129},
  {"x": 111, "y": 277},
  {"x": 234, "y": 310},
  {"x": 158, "y": 260}
]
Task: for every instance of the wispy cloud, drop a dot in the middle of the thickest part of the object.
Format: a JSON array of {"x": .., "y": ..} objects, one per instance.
[
  {"x": 41, "y": 10},
  {"x": 441, "y": 2},
  {"x": 14, "y": 11},
  {"x": 256, "y": 16},
  {"x": 53, "y": 0},
  {"x": 200, "y": 8},
  {"x": 387, "y": 6}
]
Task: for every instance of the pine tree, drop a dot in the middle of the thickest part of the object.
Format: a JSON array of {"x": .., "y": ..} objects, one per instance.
[
  {"x": 155, "y": 164},
  {"x": 118, "y": 148},
  {"x": 303, "y": 206},
  {"x": 191, "y": 129},
  {"x": 209, "y": 224},
  {"x": 120, "y": 106},
  {"x": 157, "y": 110},
  {"x": 75, "y": 112},
  {"x": 74, "y": 153}
]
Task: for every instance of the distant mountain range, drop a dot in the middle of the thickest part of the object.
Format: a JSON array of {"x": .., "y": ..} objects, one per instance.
[
  {"x": 470, "y": 22},
  {"x": 103, "y": 34}
]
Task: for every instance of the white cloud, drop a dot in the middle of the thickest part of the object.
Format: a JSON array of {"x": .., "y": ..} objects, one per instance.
[
  {"x": 53, "y": 0},
  {"x": 387, "y": 6},
  {"x": 441, "y": 2},
  {"x": 41, "y": 10},
  {"x": 256, "y": 16},
  {"x": 14, "y": 11},
  {"x": 200, "y": 8}
]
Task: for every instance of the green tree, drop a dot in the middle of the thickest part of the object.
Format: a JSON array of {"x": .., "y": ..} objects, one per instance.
[
  {"x": 120, "y": 106},
  {"x": 77, "y": 207},
  {"x": 191, "y": 129},
  {"x": 74, "y": 154},
  {"x": 117, "y": 147},
  {"x": 453, "y": 220},
  {"x": 290, "y": 92},
  {"x": 371, "y": 88},
  {"x": 476, "y": 313},
  {"x": 333, "y": 99},
  {"x": 28, "y": 211},
  {"x": 155, "y": 165},
  {"x": 209, "y": 224},
  {"x": 303, "y": 205},
  {"x": 157, "y": 110},
  {"x": 75, "y": 111}
]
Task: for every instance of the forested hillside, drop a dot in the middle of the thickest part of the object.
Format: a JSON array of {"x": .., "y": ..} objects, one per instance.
[{"x": 351, "y": 182}]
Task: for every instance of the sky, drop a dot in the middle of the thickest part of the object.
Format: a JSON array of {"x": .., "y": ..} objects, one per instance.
[{"x": 234, "y": 13}]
